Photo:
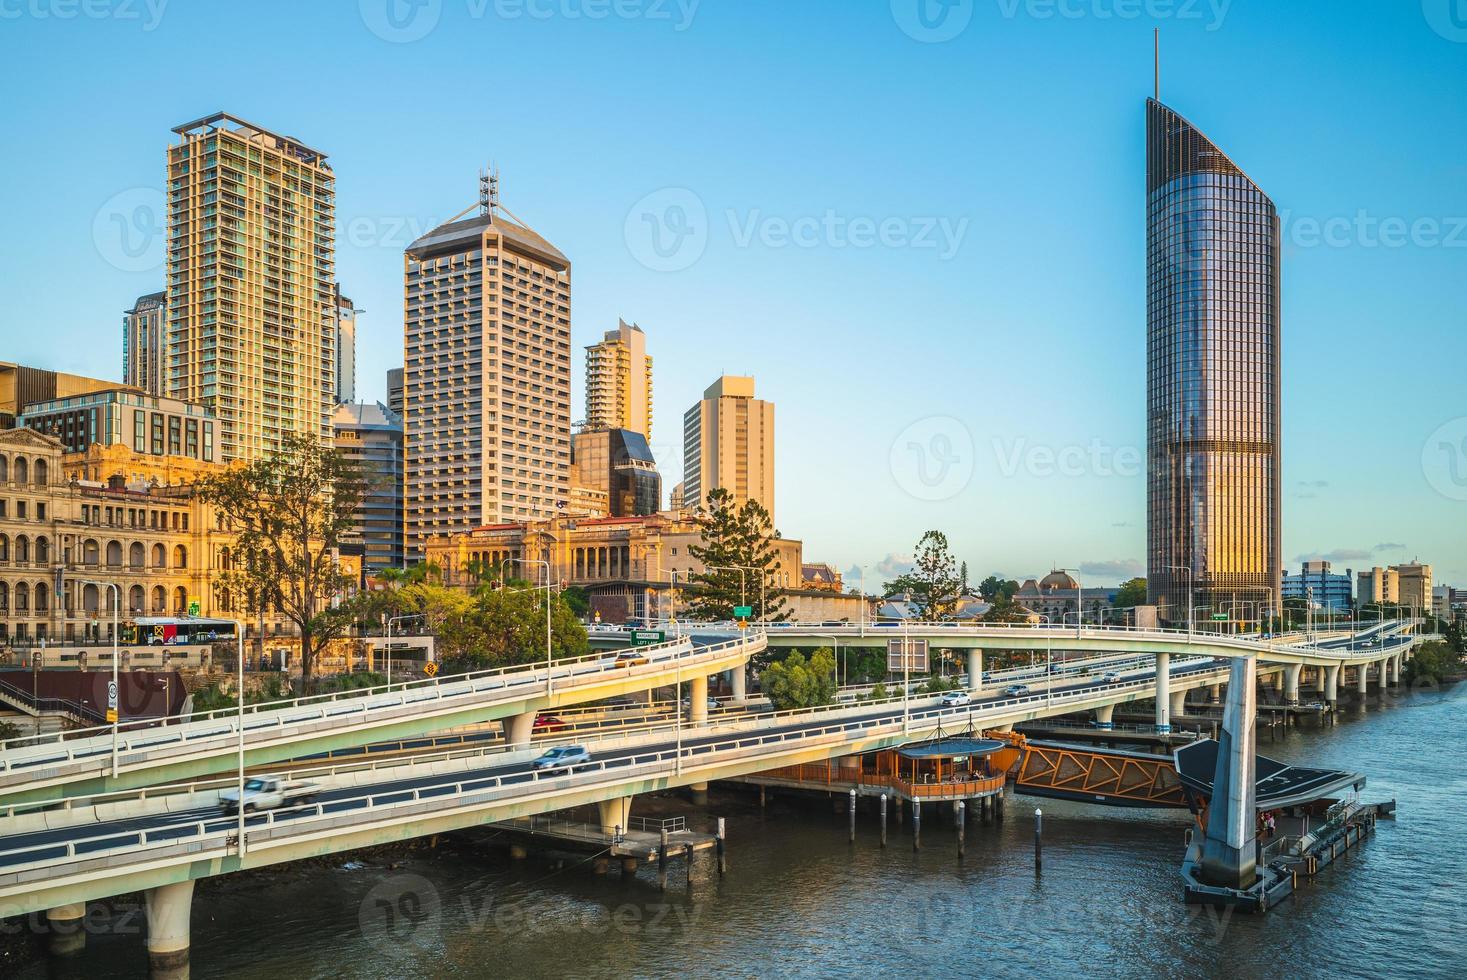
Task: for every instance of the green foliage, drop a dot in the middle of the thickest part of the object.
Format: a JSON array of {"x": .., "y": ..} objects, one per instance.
[
  {"x": 1433, "y": 663},
  {"x": 8, "y": 730},
  {"x": 879, "y": 692},
  {"x": 1006, "y": 610},
  {"x": 993, "y": 587},
  {"x": 579, "y": 601},
  {"x": 797, "y": 683},
  {"x": 212, "y": 698},
  {"x": 937, "y": 685},
  {"x": 736, "y": 551},
  {"x": 289, "y": 511},
  {"x": 932, "y": 586},
  {"x": 1457, "y": 636},
  {"x": 1132, "y": 593}
]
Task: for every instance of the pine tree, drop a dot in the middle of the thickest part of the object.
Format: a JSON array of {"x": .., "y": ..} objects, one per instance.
[{"x": 737, "y": 553}]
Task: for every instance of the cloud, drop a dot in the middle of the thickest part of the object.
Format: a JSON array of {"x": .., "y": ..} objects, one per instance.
[
  {"x": 1115, "y": 570},
  {"x": 1339, "y": 554},
  {"x": 1389, "y": 546},
  {"x": 883, "y": 571},
  {"x": 1314, "y": 484}
]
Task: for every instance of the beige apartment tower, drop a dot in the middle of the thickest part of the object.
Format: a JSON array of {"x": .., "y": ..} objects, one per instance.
[
  {"x": 1379, "y": 585},
  {"x": 145, "y": 344},
  {"x": 486, "y": 378},
  {"x": 728, "y": 441},
  {"x": 619, "y": 381},
  {"x": 251, "y": 282}
]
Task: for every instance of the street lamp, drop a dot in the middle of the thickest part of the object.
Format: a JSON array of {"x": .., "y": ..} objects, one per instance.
[
  {"x": 835, "y": 640},
  {"x": 113, "y": 710},
  {"x": 396, "y": 619},
  {"x": 549, "y": 654},
  {"x": 743, "y": 601}
]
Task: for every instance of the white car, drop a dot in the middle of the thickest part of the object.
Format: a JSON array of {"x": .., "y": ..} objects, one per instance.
[
  {"x": 1016, "y": 690},
  {"x": 562, "y": 757},
  {"x": 1109, "y": 677},
  {"x": 956, "y": 699}
]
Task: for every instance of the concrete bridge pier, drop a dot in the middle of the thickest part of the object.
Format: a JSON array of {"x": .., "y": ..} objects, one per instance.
[
  {"x": 1103, "y": 717},
  {"x": 1163, "y": 693},
  {"x": 1362, "y": 680},
  {"x": 975, "y": 670},
  {"x": 1395, "y": 663},
  {"x": 615, "y": 814},
  {"x": 65, "y": 922},
  {"x": 700, "y": 793},
  {"x": 739, "y": 681},
  {"x": 698, "y": 700},
  {"x": 1291, "y": 683},
  {"x": 518, "y": 729},
  {"x": 169, "y": 907},
  {"x": 1214, "y": 694},
  {"x": 1178, "y": 706},
  {"x": 1332, "y": 683}
]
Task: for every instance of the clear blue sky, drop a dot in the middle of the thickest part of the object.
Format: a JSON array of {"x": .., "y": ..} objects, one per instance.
[{"x": 929, "y": 252}]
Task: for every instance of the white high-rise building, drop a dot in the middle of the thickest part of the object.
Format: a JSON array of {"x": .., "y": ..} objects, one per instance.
[{"x": 728, "y": 441}]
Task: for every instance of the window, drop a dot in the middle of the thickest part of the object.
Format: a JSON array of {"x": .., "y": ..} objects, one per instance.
[{"x": 140, "y": 431}]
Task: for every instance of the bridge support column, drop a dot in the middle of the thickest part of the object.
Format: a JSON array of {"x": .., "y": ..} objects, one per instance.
[
  {"x": 1178, "y": 706},
  {"x": 1362, "y": 680},
  {"x": 518, "y": 729},
  {"x": 65, "y": 923},
  {"x": 1163, "y": 693},
  {"x": 1395, "y": 663},
  {"x": 1103, "y": 716},
  {"x": 615, "y": 814},
  {"x": 738, "y": 680},
  {"x": 698, "y": 700},
  {"x": 1214, "y": 695},
  {"x": 169, "y": 907},
  {"x": 1332, "y": 683},
  {"x": 1291, "y": 683},
  {"x": 700, "y": 793},
  {"x": 975, "y": 670}
]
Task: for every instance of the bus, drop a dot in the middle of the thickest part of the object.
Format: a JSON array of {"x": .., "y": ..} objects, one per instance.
[{"x": 167, "y": 631}]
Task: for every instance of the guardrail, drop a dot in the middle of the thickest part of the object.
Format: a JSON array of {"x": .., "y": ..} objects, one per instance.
[{"x": 275, "y": 716}]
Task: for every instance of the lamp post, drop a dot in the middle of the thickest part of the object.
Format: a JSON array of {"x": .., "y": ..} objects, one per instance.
[
  {"x": 390, "y": 621},
  {"x": 114, "y": 712},
  {"x": 835, "y": 640},
  {"x": 741, "y": 569},
  {"x": 239, "y": 697},
  {"x": 549, "y": 654}
]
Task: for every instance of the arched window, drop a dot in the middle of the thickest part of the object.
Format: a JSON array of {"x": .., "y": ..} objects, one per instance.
[
  {"x": 90, "y": 551},
  {"x": 43, "y": 550},
  {"x": 21, "y": 470},
  {"x": 136, "y": 554},
  {"x": 41, "y": 473},
  {"x": 90, "y": 599},
  {"x": 180, "y": 556},
  {"x": 114, "y": 554},
  {"x": 158, "y": 599},
  {"x": 43, "y": 596},
  {"x": 159, "y": 556},
  {"x": 180, "y": 600},
  {"x": 4, "y": 469},
  {"x": 4, "y": 543},
  {"x": 22, "y": 598},
  {"x": 4, "y": 597},
  {"x": 22, "y": 548},
  {"x": 135, "y": 600}
]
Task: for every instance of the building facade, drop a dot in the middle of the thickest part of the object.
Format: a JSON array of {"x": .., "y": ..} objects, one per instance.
[
  {"x": 1316, "y": 582},
  {"x": 21, "y": 386},
  {"x": 145, "y": 344},
  {"x": 1414, "y": 583},
  {"x": 728, "y": 442},
  {"x": 619, "y": 464},
  {"x": 370, "y": 436},
  {"x": 1213, "y": 367},
  {"x": 619, "y": 381},
  {"x": 346, "y": 349},
  {"x": 1377, "y": 586},
  {"x": 146, "y": 424},
  {"x": 251, "y": 283},
  {"x": 394, "y": 391},
  {"x": 486, "y": 378}
]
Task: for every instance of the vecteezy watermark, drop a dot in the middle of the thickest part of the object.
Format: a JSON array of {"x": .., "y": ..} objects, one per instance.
[
  {"x": 1444, "y": 459},
  {"x": 405, "y": 21},
  {"x": 932, "y": 21},
  {"x": 1447, "y": 17},
  {"x": 932, "y": 459},
  {"x": 393, "y": 231},
  {"x": 1365, "y": 230},
  {"x": 667, "y": 231},
  {"x": 1096, "y": 458},
  {"x": 128, "y": 229},
  {"x": 147, "y": 12},
  {"x": 935, "y": 21}
]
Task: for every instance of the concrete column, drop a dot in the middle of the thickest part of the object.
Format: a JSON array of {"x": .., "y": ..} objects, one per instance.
[
  {"x": 1332, "y": 683},
  {"x": 1214, "y": 695},
  {"x": 65, "y": 923},
  {"x": 698, "y": 700},
  {"x": 1179, "y": 704},
  {"x": 700, "y": 793},
  {"x": 975, "y": 670},
  {"x": 1163, "y": 693},
  {"x": 169, "y": 907},
  {"x": 1362, "y": 680},
  {"x": 518, "y": 729},
  {"x": 615, "y": 814},
  {"x": 1291, "y": 683},
  {"x": 1103, "y": 716},
  {"x": 1395, "y": 663},
  {"x": 740, "y": 681}
]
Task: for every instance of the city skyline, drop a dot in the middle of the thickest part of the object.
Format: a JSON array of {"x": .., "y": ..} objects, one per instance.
[{"x": 1029, "y": 451}]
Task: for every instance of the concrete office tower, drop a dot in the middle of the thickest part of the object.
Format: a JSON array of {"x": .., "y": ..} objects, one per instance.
[
  {"x": 619, "y": 381},
  {"x": 486, "y": 377},
  {"x": 251, "y": 282},
  {"x": 145, "y": 344},
  {"x": 1213, "y": 332},
  {"x": 370, "y": 435},
  {"x": 394, "y": 390},
  {"x": 728, "y": 441},
  {"x": 346, "y": 348}
]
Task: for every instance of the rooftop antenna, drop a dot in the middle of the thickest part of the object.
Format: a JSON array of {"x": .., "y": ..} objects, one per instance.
[
  {"x": 489, "y": 191},
  {"x": 1156, "y": 48}
]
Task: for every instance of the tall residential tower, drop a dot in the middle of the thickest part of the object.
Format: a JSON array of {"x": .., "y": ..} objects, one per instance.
[
  {"x": 728, "y": 441},
  {"x": 145, "y": 344},
  {"x": 251, "y": 282},
  {"x": 619, "y": 381},
  {"x": 1212, "y": 388}
]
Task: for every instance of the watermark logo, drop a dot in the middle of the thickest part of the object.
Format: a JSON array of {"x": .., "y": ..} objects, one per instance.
[
  {"x": 1213, "y": 12},
  {"x": 1096, "y": 458},
  {"x": 1448, "y": 18},
  {"x": 401, "y": 915},
  {"x": 667, "y": 231},
  {"x": 128, "y": 229},
  {"x": 932, "y": 21},
  {"x": 1444, "y": 459},
  {"x": 148, "y": 12},
  {"x": 400, "y": 21},
  {"x": 1365, "y": 230},
  {"x": 932, "y": 459}
]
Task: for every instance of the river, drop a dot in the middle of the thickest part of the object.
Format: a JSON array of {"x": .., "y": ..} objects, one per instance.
[{"x": 799, "y": 899}]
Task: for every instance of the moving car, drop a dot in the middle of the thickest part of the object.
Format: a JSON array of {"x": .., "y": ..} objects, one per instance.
[
  {"x": 562, "y": 757},
  {"x": 547, "y": 723},
  {"x": 1014, "y": 690},
  {"x": 630, "y": 658},
  {"x": 956, "y": 699},
  {"x": 268, "y": 793},
  {"x": 1109, "y": 677}
]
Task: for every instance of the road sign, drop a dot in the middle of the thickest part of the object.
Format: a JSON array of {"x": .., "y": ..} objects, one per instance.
[
  {"x": 1220, "y": 617},
  {"x": 743, "y": 612},
  {"x": 916, "y": 654},
  {"x": 112, "y": 696},
  {"x": 431, "y": 669},
  {"x": 111, "y": 716},
  {"x": 193, "y": 607},
  {"x": 647, "y": 638}
]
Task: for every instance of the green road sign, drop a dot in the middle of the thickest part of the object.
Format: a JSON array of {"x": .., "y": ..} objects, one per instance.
[
  {"x": 743, "y": 612},
  {"x": 647, "y": 638},
  {"x": 1221, "y": 617}
]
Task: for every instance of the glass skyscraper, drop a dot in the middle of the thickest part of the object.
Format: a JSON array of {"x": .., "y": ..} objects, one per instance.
[{"x": 1212, "y": 383}]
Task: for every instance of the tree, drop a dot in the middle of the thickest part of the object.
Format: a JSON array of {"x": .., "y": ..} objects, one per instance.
[
  {"x": 797, "y": 683},
  {"x": 932, "y": 586},
  {"x": 1132, "y": 593},
  {"x": 993, "y": 587},
  {"x": 289, "y": 511},
  {"x": 737, "y": 554},
  {"x": 1432, "y": 664}
]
